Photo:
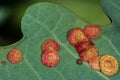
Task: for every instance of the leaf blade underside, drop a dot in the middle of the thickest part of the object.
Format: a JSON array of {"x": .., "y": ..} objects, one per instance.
[{"x": 47, "y": 20}]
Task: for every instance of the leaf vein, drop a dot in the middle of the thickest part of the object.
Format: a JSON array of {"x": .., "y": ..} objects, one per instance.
[
  {"x": 7, "y": 69},
  {"x": 111, "y": 44},
  {"x": 60, "y": 74},
  {"x": 115, "y": 5},
  {"x": 58, "y": 22},
  {"x": 39, "y": 22},
  {"x": 30, "y": 66}
]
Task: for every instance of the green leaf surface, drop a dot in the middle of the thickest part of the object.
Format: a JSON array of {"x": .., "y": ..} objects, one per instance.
[{"x": 47, "y": 20}]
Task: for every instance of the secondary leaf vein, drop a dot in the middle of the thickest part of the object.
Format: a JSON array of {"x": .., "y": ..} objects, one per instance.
[
  {"x": 58, "y": 22},
  {"x": 30, "y": 66},
  {"x": 111, "y": 45}
]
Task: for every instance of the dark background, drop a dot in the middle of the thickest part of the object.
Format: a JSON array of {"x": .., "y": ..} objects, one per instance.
[{"x": 11, "y": 12}]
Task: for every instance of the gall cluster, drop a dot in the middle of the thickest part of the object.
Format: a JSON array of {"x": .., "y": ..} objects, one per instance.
[{"x": 81, "y": 40}]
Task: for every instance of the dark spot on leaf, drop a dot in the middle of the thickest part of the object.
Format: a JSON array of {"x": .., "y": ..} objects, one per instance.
[
  {"x": 4, "y": 62},
  {"x": 79, "y": 61}
]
